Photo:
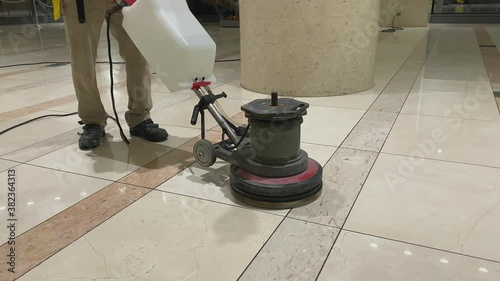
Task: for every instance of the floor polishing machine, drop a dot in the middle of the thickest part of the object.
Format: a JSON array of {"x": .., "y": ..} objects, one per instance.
[{"x": 268, "y": 167}]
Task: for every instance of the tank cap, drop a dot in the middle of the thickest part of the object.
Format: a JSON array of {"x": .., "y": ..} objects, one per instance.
[{"x": 275, "y": 109}]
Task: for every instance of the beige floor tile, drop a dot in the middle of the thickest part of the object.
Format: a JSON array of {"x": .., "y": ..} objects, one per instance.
[
  {"x": 49, "y": 237},
  {"x": 41, "y": 148},
  {"x": 208, "y": 183},
  {"x": 42, "y": 193},
  {"x": 480, "y": 106},
  {"x": 451, "y": 139},
  {"x": 45, "y": 74},
  {"x": 34, "y": 95},
  {"x": 357, "y": 257},
  {"x": 160, "y": 101},
  {"x": 329, "y": 125},
  {"x": 113, "y": 159},
  {"x": 33, "y": 132},
  {"x": 371, "y": 132},
  {"x": 213, "y": 183},
  {"x": 320, "y": 153},
  {"x": 5, "y": 164},
  {"x": 296, "y": 251},
  {"x": 439, "y": 204},
  {"x": 361, "y": 100},
  {"x": 180, "y": 114},
  {"x": 164, "y": 237},
  {"x": 7, "y": 83},
  {"x": 234, "y": 90},
  {"x": 389, "y": 103},
  {"x": 7, "y": 108},
  {"x": 428, "y": 82},
  {"x": 343, "y": 178}
]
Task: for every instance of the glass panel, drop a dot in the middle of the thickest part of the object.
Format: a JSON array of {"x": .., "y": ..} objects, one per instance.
[
  {"x": 466, "y": 7},
  {"x": 25, "y": 9}
]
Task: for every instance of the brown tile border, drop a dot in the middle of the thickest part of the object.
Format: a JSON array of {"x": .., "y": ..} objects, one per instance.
[
  {"x": 17, "y": 113},
  {"x": 16, "y": 72},
  {"x": 491, "y": 57},
  {"x": 41, "y": 242},
  {"x": 483, "y": 37},
  {"x": 162, "y": 169},
  {"x": 48, "y": 238}
]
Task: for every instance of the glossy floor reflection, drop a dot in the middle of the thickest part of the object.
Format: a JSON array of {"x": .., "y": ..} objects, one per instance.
[{"x": 411, "y": 173}]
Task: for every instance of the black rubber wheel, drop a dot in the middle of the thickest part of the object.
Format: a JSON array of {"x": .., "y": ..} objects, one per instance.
[{"x": 204, "y": 153}]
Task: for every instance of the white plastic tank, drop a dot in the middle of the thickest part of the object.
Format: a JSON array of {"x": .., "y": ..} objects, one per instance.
[{"x": 172, "y": 40}]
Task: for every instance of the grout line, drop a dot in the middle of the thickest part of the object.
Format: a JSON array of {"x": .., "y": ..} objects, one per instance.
[
  {"x": 364, "y": 114},
  {"x": 374, "y": 162},
  {"x": 261, "y": 248},
  {"x": 447, "y": 117},
  {"x": 440, "y": 160},
  {"x": 313, "y": 222},
  {"x": 248, "y": 208},
  {"x": 420, "y": 245},
  {"x": 320, "y": 144},
  {"x": 69, "y": 244}
]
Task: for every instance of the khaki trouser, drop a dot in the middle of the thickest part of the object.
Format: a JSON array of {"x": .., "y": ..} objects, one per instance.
[{"x": 83, "y": 40}]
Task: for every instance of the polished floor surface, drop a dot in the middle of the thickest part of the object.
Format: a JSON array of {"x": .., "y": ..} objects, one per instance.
[{"x": 411, "y": 173}]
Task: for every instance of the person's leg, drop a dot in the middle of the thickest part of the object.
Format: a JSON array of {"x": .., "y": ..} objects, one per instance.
[
  {"x": 138, "y": 83},
  {"x": 83, "y": 40}
]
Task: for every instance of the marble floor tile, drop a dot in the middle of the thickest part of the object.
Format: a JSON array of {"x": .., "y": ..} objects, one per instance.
[
  {"x": 234, "y": 90},
  {"x": 7, "y": 83},
  {"x": 180, "y": 114},
  {"x": 209, "y": 184},
  {"x": 389, "y": 103},
  {"x": 465, "y": 86},
  {"x": 48, "y": 238},
  {"x": 42, "y": 193},
  {"x": 480, "y": 106},
  {"x": 390, "y": 89},
  {"x": 164, "y": 237},
  {"x": 213, "y": 183},
  {"x": 320, "y": 153},
  {"x": 362, "y": 100},
  {"x": 343, "y": 178},
  {"x": 47, "y": 73},
  {"x": 357, "y": 257},
  {"x": 5, "y": 165},
  {"x": 450, "y": 139},
  {"x": 7, "y": 108},
  {"x": 371, "y": 132},
  {"x": 43, "y": 92},
  {"x": 113, "y": 159},
  {"x": 157, "y": 85},
  {"x": 43, "y": 147},
  {"x": 33, "y": 132},
  {"x": 444, "y": 205},
  {"x": 167, "y": 166},
  {"x": 404, "y": 79},
  {"x": 329, "y": 125},
  {"x": 161, "y": 100},
  {"x": 296, "y": 251}
]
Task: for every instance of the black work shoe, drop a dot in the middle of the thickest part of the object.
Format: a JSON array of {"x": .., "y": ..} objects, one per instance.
[
  {"x": 149, "y": 131},
  {"x": 91, "y": 136}
]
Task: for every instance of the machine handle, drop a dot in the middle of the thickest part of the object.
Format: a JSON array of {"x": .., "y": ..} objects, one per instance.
[{"x": 196, "y": 112}]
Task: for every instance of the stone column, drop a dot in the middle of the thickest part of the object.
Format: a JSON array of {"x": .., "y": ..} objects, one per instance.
[{"x": 308, "y": 48}]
